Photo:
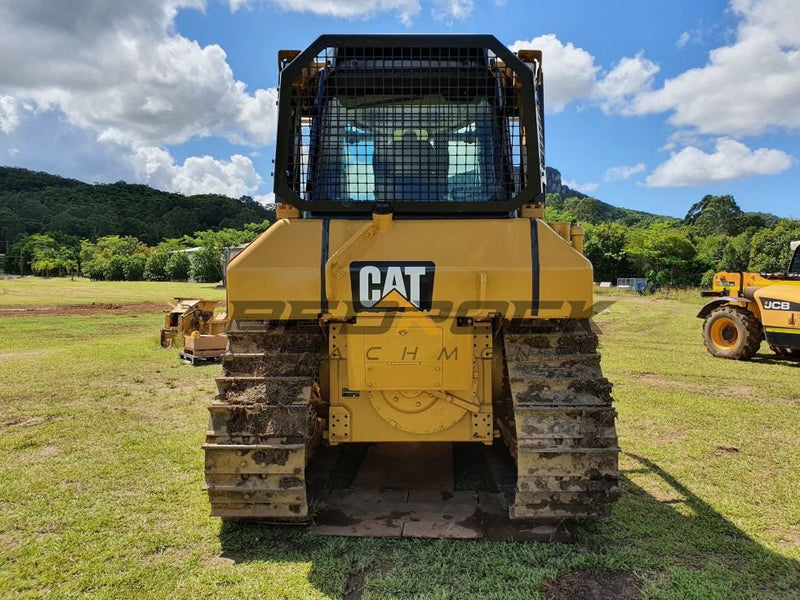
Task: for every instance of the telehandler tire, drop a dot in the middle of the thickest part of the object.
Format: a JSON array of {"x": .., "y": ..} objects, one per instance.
[{"x": 732, "y": 332}]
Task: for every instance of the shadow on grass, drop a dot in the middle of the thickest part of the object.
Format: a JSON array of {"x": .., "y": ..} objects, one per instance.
[
  {"x": 774, "y": 359},
  {"x": 676, "y": 544}
]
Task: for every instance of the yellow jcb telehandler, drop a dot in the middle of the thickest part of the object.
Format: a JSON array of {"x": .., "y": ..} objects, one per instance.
[
  {"x": 410, "y": 296},
  {"x": 749, "y": 307}
]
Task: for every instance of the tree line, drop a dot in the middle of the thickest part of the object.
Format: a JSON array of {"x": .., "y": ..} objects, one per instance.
[
  {"x": 126, "y": 258},
  {"x": 715, "y": 235},
  {"x": 57, "y": 226}
]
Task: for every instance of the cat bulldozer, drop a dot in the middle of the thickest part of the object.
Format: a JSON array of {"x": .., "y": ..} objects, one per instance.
[
  {"x": 410, "y": 292},
  {"x": 750, "y": 307}
]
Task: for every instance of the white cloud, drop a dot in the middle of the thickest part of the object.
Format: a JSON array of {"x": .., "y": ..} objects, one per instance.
[
  {"x": 98, "y": 92},
  {"x": 265, "y": 199},
  {"x": 452, "y": 10},
  {"x": 623, "y": 172},
  {"x": 629, "y": 78},
  {"x": 586, "y": 188},
  {"x": 120, "y": 69},
  {"x": 730, "y": 160},
  {"x": 746, "y": 88},
  {"x": 9, "y": 119},
  {"x": 570, "y": 73},
  {"x": 205, "y": 175},
  {"x": 682, "y": 40},
  {"x": 406, "y": 10}
]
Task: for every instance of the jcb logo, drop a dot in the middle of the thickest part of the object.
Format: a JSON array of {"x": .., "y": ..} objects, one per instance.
[
  {"x": 772, "y": 304},
  {"x": 392, "y": 285}
]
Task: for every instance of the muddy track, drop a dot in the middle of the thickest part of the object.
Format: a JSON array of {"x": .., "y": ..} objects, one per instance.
[
  {"x": 559, "y": 421},
  {"x": 265, "y": 421},
  {"x": 83, "y": 309}
]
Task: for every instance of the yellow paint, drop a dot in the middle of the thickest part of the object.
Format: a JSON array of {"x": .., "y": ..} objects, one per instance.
[
  {"x": 782, "y": 330},
  {"x": 396, "y": 373}
]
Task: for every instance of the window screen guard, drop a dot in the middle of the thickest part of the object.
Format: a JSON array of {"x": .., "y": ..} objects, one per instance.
[{"x": 423, "y": 124}]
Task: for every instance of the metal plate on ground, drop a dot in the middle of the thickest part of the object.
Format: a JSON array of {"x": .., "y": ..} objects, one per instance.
[
  {"x": 399, "y": 513},
  {"x": 397, "y": 466},
  {"x": 406, "y": 500}
]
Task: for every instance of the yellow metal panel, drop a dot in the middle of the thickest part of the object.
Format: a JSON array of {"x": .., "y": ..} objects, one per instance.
[
  {"x": 278, "y": 275},
  {"x": 482, "y": 267},
  {"x": 393, "y": 405},
  {"x": 779, "y": 317},
  {"x": 565, "y": 289}
]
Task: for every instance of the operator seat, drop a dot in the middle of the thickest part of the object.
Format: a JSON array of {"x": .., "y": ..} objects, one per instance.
[{"x": 410, "y": 169}]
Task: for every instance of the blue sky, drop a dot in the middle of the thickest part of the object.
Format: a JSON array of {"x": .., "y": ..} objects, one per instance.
[{"x": 650, "y": 105}]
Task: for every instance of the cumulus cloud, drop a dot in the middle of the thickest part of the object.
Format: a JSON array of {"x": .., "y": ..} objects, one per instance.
[
  {"x": 118, "y": 68},
  {"x": 452, "y": 10},
  {"x": 206, "y": 175},
  {"x": 745, "y": 88},
  {"x": 586, "y": 188},
  {"x": 629, "y": 78},
  {"x": 730, "y": 160},
  {"x": 9, "y": 119},
  {"x": 570, "y": 72},
  {"x": 265, "y": 199},
  {"x": 623, "y": 172},
  {"x": 405, "y": 10},
  {"x": 117, "y": 74},
  {"x": 236, "y": 176},
  {"x": 682, "y": 40}
]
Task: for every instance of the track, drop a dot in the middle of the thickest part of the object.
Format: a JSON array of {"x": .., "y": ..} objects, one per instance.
[
  {"x": 557, "y": 419},
  {"x": 265, "y": 421},
  {"x": 555, "y": 416}
]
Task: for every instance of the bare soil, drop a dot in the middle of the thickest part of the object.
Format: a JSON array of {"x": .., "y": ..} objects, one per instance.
[
  {"x": 82, "y": 309},
  {"x": 593, "y": 584}
]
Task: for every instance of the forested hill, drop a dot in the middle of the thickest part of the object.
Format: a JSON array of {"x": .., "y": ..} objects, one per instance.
[
  {"x": 34, "y": 202},
  {"x": 565, "y": 204}
]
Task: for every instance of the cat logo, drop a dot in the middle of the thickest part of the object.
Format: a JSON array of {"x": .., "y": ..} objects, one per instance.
[
  {"x": 392, "y": 285},
  {"x": 771, "y": 304}
]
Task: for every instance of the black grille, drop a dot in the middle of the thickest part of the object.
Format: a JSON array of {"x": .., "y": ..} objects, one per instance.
[{"x": 438, "y": 126}]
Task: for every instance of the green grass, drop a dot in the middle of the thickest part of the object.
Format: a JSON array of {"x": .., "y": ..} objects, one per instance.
[
  {"x": 57, "y": 291},
  {"x": 100, "y": 482}
]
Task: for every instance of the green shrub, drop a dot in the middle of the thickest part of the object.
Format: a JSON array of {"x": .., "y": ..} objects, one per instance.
[{"x": 178, "y": 266}]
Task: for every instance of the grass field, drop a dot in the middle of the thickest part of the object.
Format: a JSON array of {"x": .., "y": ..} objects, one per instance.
[
  {"x": 100, "y": 482},
  {"x": 41, "y": 291}
]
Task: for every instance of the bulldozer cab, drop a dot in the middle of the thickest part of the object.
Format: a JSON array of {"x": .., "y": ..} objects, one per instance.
[{"x": 410, "y": 125}]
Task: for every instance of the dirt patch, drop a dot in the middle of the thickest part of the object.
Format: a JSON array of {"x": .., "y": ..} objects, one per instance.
[
  {"x": 46, "y": 452},
  {"x": 82, "y": 309},
  {"x": 24, "y": 422},
  {"x": 788, "y": 539},
  {"x": 354, "y": 587},
  {"x": 217, "y": 561},
  {"x": 722, "y": 450},
  {"x": 659, "y": 381},
  {"x": 593, "y": 584},
  {"x": 6, "y": 356}
]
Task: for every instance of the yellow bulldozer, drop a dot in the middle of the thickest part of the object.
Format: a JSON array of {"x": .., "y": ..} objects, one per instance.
[
  {"x": 750, "y": 307},
  {"x": 410, "y": 293}
]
